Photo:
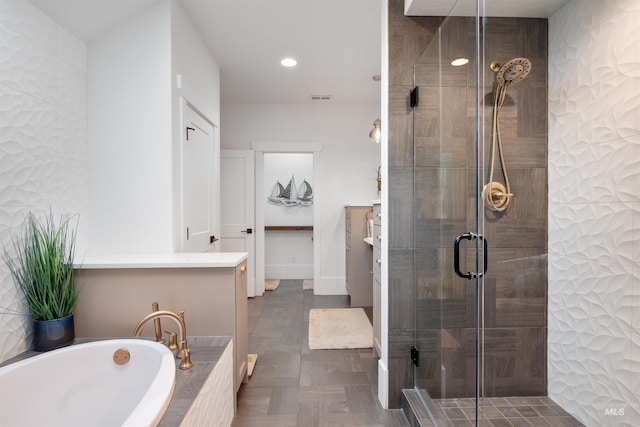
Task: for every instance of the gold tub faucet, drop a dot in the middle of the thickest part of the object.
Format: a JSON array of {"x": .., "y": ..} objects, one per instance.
[{"x": 183, "y": 352}]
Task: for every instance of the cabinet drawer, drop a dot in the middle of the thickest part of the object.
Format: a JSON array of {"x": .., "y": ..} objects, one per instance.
[
  {"x": 377, "y": 214},
  {"x": 377, "y": 236},
  {"x": 377, "y": 261}
]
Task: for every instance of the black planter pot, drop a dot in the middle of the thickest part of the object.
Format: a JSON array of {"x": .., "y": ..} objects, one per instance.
[{"x": 52, "y": 334}]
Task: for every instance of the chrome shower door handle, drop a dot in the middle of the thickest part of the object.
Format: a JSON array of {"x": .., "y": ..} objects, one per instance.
[{"x": 456, "y": 255}]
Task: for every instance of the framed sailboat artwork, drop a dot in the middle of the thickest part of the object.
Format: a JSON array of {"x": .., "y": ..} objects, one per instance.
[{"x": 291, "y": 195}]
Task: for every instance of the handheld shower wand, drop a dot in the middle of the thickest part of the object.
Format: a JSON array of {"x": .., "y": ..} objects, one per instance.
[{"x": 495, "y": 194}]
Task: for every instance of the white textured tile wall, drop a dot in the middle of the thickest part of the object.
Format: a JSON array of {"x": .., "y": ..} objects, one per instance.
[
  {"x": 43, "y": 142},
  {"x": 594, "y": 211}
]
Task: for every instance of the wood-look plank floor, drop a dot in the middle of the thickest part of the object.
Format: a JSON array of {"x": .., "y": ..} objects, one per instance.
[{"x": 292, "y": 385}]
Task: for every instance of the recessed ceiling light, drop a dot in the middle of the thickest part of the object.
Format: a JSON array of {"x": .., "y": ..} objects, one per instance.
[
  {"x": 289, "y": 62},
  {"x": 459, "y": 62}
]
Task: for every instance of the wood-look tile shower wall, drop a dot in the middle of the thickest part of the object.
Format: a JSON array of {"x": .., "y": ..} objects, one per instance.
[{"x": 423, "y": 222}]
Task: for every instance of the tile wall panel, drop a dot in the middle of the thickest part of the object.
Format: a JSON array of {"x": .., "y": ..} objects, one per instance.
[
  {"x": 43, "y": 140},
  {"x": 594, "y": 227}
]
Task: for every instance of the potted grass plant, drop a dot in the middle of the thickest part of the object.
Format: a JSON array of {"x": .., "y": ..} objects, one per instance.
[{"x": 42, "y": 268}]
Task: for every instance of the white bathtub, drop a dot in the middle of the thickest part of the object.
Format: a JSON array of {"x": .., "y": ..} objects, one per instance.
[{"x": 82, "y": 386}]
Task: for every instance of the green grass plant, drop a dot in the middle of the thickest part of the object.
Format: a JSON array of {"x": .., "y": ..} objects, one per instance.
[{"x": 43, "y": 266}]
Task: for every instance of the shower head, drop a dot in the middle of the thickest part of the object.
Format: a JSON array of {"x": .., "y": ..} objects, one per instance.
[{"x": 511, "y": 72}]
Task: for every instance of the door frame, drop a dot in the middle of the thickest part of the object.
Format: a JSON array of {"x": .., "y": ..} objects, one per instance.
[{"x": 260, "y": 148}]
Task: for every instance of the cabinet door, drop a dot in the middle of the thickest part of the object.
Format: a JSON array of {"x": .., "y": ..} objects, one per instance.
[
  {"x": 377, "y": 278},
  {"x": 242, "y": 344},
  {"x": 358, "y": 256}
]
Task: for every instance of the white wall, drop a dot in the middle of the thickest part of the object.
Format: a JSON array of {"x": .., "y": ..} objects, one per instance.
[
  {"x": 288, "y": 254},
  {"x": 348, "y": 163},
  {"x": 49, "y": 80},
  {"x": 594, "y": 211},
  {"x": 43, "y": 152},
  {"x": 196, "y": 79},
  {"x": 135, "y": 127},
  {"x": 383, "y": 371},
  {"x": 130, "y": 201}
]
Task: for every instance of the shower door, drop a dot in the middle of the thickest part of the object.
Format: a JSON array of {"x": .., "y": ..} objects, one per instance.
[
  {"x": 480, "y": 263},
  {"x": 449, "y": 243}
]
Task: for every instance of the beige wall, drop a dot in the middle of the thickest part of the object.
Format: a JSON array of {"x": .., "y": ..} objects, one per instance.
[{"x": 113, "y": 301}]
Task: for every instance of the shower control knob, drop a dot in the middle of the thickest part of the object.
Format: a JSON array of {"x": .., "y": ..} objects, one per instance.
[{"x": 496, "y": 197}]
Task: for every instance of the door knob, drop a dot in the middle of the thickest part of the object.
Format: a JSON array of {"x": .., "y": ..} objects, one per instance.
[{"x": 248, "y": 231}]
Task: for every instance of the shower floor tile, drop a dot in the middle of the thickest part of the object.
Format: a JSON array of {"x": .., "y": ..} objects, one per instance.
[{"x": 527, "y": 411}]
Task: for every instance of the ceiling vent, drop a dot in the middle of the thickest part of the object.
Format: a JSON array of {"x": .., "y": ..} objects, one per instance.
[{"x": 320, "y": 97}]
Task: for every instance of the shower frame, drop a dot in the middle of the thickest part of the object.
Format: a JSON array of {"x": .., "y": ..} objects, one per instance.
[{"x": 472, "y": 342}]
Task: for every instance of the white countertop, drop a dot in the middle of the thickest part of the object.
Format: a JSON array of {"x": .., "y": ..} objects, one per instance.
[{"x": 173, "y": 260}]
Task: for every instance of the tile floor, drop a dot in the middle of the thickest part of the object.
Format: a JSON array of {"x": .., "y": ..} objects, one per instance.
[
  {"x": 506, "y": 412},
  {"x": 529, "y": 411},
  {"x": 294, "y": 386}
]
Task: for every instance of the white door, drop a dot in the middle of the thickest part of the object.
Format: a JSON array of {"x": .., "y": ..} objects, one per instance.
[
  {"x": 198, "y": 151},
  {"x": 237, "y": 207}
]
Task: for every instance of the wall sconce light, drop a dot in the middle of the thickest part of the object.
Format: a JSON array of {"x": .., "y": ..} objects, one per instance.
[{"x": 376, "y": 133}]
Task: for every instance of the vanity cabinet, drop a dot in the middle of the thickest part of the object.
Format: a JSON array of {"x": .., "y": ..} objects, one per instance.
[
  {"x": 115, "y": 295},
  {"x": 377, "y": 279},
  {"x": 241, "y": 340},
  {"x": 358, "y": 256}
]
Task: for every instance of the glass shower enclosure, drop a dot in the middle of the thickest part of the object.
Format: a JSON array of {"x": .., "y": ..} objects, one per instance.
[{"x": 480, "y": 136}]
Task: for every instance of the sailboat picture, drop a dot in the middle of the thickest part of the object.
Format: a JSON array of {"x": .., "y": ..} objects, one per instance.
[
  {"x": 276, "y": 194},
  {"x": 305, "y": 193},
  {"x": 290, "y": 195}
]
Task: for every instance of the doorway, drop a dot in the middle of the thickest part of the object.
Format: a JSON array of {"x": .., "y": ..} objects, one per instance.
[
  {"x": 288, "y": 215},
  {"x": 264, "y": 161}
]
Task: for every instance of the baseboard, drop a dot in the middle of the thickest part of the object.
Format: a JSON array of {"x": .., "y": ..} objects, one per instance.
[
  {"x": 329, "y": 286},
  {"x": 383, "y": 384},
  {"x": 288, "y": 272}
]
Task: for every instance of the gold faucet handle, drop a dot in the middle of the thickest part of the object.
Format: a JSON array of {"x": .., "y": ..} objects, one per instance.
[
  {"x": 157, "y": 326},
  {"x": 185, "y": 359},
  {"x": 183, "y": 345},
  {"x": 173, "y": 340}
]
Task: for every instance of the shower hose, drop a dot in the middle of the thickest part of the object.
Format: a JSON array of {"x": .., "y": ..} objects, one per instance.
[{"x": 496, "y": 145}]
